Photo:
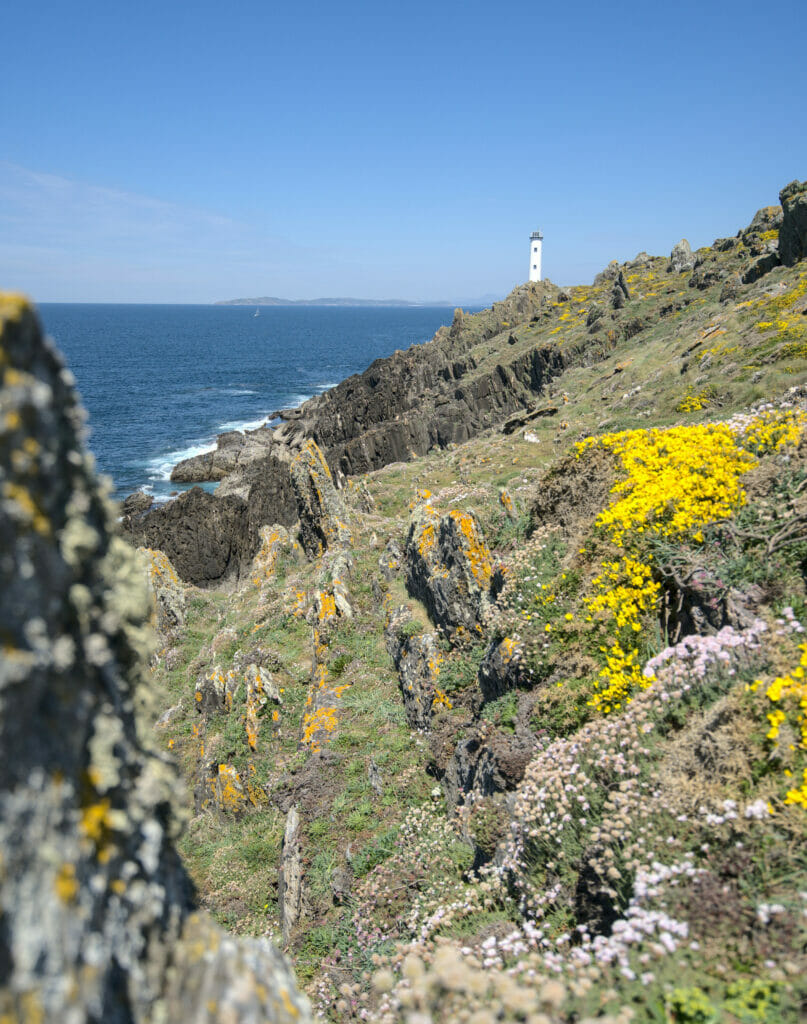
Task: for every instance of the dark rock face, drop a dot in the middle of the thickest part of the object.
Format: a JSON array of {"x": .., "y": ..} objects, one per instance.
[
  {"x": 207, "y": 539},
  {"x": 449, "y": 568},
  {"x": 502, "y": 669},
  {"x": 427, "y": 396},
  {"x": 96, "y": 908},
  {"x": 761, "y": 266},
  {"x": 793, "y": 232},
  {"x": 417, "y": 662},
  {"x": 681, "y": 257},
  {"x": 488, "y": 761},
  {"x": 620, "y": 293}
]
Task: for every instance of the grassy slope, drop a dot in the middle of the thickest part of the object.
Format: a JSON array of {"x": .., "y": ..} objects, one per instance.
[{"x": 693, "y": 359}]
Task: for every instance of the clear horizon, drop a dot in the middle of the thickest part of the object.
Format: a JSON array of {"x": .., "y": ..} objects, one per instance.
[{"x": 177, "y": 155}]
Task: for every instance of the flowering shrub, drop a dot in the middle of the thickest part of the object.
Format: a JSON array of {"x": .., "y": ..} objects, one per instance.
[{"x": 788, "y": 725}]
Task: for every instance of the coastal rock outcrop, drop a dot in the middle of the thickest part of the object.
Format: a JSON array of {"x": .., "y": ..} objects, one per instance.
[
  {"x": 207, "y": 539},
  {"x": 681, "y": 257},
  {"x": 793, "y": 232},
  {"x": 431, "y": 395},
  {"x": 232, "y": 449},
  {"x": 98, "y": 915}
]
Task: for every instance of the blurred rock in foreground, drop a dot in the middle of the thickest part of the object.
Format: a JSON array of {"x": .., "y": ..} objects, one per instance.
[{"x": 97, "y": 917}]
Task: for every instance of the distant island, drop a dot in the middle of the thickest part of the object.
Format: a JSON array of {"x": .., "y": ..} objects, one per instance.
[{"x": 272, "y": 301}]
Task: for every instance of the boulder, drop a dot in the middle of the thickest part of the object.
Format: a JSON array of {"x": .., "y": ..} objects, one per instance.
[
  {"x": 487, "y": 761},
  {"x": 761, "y": 266},
  {"x": 98, "y": 914},
  {"x": 681, "y": 257},
  {"x": 793, "y": 232},
  {"x": 449, "y": 568},
  {"x": 135, "y": 504},
  {"x": 233, "y": 449},
  {"x": 610, "y": 272},
  {"x": 207, "y": 539}
]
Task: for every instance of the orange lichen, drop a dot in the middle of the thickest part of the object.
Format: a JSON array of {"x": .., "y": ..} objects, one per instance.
[{"x": 475, "y": 547}]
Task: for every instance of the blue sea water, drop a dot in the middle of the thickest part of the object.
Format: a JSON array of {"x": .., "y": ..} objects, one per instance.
[{"x": 160, "y": 382}]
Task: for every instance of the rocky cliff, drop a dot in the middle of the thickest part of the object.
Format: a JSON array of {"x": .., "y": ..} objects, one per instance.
[{"x": 98, "y": 918}]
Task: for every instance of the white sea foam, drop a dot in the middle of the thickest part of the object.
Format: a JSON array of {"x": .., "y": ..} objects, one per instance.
[
  {"x": 243, "y": 425},
  {"x": 159, "y": 468}
]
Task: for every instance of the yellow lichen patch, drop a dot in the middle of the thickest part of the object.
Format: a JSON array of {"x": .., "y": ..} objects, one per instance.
[
  {"x": 326, "y": 606},
  {"x": 435, "y": 663},
  {"x": 27, "y": 507},
  {"x": 12, "y": 306},
  {"x": 229, "y": 791},
  {"x": 66, "y": 884},
  {"x": 475, "y": 547},
  {"x": 507, "y": 649},
  {"x": 95, "y": 820}
]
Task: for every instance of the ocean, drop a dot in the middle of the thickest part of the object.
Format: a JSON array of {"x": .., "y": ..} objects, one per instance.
[{"x": 160, "y": 382}]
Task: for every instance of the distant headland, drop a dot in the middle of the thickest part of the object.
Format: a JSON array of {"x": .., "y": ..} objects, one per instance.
[{"x": 273, "y": 301}]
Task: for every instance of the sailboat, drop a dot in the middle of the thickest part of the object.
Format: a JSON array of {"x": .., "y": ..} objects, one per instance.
[{"x": 257, "y": 312}]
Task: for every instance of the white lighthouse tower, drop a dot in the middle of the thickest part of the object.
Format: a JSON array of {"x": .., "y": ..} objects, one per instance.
[{"x": 536, "y": 241}]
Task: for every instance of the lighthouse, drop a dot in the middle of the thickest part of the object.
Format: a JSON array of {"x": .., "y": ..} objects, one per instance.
[{"x": 536, "y": 239}]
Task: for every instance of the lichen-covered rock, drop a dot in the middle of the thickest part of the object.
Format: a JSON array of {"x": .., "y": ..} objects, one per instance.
[
  {"x": 261, "y": 689},
  {"x": 167, "y": 591},
  {"x": 793, "y": 232},
  {"x": 290, "y": 876},
  {"x": 502, "y": 669},
  {"x": 274, "y": 540},
  {"x": 95, "y": 905},
  {"x": 681, "y": 257},
  {"x": 216, "y": 690},
  {"x": 417, "y": 660},
  {"x": 449, "y": 567},
  {"x": 769, "y": 218},
  {"x": 323, "y": 516},
  {"x": 201, "y": 989}
]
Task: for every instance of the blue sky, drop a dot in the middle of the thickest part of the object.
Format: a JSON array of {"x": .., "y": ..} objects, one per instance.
[{"x": 187, "y": 152}]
